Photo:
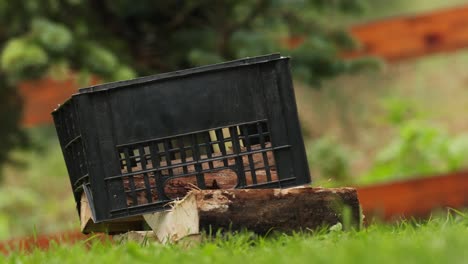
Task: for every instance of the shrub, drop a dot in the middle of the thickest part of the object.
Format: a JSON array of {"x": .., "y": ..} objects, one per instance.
[
  {"x": 329, "y": 159},
  {"x": 419, "y": 149}
]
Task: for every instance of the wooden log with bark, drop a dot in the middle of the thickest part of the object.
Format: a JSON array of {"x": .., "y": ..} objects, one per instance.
[
  {"x": 222, "y": 206},
  {"x": 283, "y": 210},
  {"x": 257, "y": 210}
]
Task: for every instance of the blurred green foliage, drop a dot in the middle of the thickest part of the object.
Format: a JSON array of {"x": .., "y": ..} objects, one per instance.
[
  {"x": 398, "y": 110},
  {"x": 11, "y": 135},
  {"x": 21, "y": 58},
  {"x": 122, "y": 39},
  {"x": 28, "y": 199},
  {"x": 416, "y": 147},
  {"x": 419, "y": 149},
  {"x": 329, "y": 160},
  {"x": 104, "y": 36}
]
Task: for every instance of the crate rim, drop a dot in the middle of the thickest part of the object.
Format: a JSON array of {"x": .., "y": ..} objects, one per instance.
[
  {"x": 247, "y": 61},
  {"x": 181, "y": 73}
]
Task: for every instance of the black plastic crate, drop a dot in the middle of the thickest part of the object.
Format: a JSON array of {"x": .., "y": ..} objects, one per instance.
[{"x": 129, "y": 144}]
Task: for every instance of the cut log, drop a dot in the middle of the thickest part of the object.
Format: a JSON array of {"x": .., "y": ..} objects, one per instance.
[
  {"x": 257, "y": 210},
  {"x": 282, "y": 210}
]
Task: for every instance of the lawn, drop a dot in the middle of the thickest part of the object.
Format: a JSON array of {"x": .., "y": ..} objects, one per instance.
[{"x": 440, "y": 240}]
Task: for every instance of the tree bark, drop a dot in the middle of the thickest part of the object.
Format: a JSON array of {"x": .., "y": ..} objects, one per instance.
[{"x": 283, "y": 210}]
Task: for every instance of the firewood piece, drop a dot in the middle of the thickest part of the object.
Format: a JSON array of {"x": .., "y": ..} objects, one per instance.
[
  {"x": 179, "y": 222},
  {"x": 283, "y": 210},
  {"x": 258, "y": 210}
]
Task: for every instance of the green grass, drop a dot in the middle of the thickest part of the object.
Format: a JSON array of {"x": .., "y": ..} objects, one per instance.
[{"x": 441, "y": 240}]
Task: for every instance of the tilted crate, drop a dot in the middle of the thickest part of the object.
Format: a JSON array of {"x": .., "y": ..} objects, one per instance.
[{"x": 133, "y": 146}]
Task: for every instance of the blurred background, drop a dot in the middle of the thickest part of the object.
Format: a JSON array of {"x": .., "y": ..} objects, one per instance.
[{"x": 381, "y": 86}]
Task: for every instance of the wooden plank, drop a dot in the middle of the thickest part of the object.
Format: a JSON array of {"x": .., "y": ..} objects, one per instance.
[
  {"x": 407, "y": 37},
  {"x": 414, "y": 198}
]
